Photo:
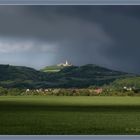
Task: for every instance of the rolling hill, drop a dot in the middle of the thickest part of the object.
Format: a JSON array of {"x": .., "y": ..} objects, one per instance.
[
  {"x": 19, "y": 76},
  {"x": 72, "y": 76},
  {"x": 84, "y": 76}
]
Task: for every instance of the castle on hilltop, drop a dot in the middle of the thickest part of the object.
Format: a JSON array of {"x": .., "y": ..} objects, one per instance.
[{"x": 66, "y": 64}]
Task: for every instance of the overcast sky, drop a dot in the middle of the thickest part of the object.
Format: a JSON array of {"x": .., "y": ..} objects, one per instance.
[{"x": 36, "y": 36}]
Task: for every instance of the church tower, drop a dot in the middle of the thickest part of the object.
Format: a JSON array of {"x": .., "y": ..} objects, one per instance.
[{"x": 67, "y": 63}]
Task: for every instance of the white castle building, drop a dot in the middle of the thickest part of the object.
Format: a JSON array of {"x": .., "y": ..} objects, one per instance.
[{"x": 66, "y": 64}]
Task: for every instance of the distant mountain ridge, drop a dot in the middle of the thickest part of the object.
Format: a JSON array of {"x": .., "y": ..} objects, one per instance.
[{"x": 72, "y": 76}]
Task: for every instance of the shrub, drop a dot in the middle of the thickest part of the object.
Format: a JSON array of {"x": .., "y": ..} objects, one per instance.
[{"x": 3, "y": 91}]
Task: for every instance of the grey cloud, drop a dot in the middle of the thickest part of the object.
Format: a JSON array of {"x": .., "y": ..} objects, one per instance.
[{"x": 104, "y": 35}]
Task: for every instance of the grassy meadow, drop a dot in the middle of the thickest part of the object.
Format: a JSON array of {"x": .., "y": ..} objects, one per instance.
[{"x": 68, "y": 115}]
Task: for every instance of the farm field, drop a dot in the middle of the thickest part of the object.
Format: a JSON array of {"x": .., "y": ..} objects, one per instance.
[{"x": 66, "y": 115}]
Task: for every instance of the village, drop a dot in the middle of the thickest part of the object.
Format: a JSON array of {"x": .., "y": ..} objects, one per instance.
[
  {"x": 71, "y": 91},
  {"x": 82, "y": 91}
]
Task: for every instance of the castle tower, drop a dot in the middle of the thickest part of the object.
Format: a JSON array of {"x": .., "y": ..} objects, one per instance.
[
  {"x": 67, "y": 62},
  {"x": 64, "y": 64}
]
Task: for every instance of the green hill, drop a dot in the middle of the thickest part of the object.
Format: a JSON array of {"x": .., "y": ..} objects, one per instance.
[
  {"x": 8, "y": 72},
  {"x": 66, "y": 77},
  {"x": 85, "y": 76},
  {"x": 19, "y": 76},
  {"x": 127, "y": 82}
]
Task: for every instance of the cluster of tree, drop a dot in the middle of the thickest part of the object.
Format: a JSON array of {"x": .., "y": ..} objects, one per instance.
[
  {"x": 121, "y": 87},
  {"x": 107, "y": 90},
  {"x": 128, "y": 82},
  {"x": 11, "y": 91}
]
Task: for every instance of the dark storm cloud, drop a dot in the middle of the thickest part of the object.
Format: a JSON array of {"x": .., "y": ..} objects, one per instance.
[{"x": 104, "y": 35}]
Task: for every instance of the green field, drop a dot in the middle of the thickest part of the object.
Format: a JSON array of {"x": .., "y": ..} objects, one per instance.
[{"x": 69, "y": 115}]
